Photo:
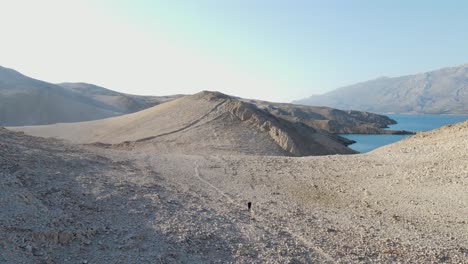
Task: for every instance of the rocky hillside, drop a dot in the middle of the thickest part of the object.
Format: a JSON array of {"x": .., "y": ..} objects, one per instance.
[
  {"x": 202, "y": 123},
  {"x": 443, "y": 91},
  {"x": 332, "y": 120},
  {"x": 27, "y": 101},
  {"x": 441, "y": 144}
]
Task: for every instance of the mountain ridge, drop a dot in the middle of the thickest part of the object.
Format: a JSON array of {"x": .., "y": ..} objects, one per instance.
[{"x": 442, "y": 91}]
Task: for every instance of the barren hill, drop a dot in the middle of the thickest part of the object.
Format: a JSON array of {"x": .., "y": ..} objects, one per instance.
[
  {"x": 332, "y": 120},
  {"x": 27, "y": 101},
  {"x": 203, "y": 123},
  {"x": 443, "y": 91}
]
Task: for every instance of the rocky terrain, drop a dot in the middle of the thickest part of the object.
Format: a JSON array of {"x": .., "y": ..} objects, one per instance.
[
  {"x": 27, "y": 101},
  {"x": 443, "y": 91},
  {"x": 63, "y": 203},
  {"x": 332, "y": 120}
]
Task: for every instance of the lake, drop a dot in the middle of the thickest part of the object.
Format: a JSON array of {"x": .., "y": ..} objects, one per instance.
[{"x": 415, "y": 123}]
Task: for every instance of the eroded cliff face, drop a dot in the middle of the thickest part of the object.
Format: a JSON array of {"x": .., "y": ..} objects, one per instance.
[
  {"x": 264, "y": 123},
  {"x": 293, "y": 137}
]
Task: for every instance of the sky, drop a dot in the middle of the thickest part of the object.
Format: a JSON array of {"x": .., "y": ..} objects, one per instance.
[{"x": 276, "y": 50}]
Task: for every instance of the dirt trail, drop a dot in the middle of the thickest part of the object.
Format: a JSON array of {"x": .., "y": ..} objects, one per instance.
[
  {"x": 193, "y": 123},
  {"x": 261, "y": 220}
]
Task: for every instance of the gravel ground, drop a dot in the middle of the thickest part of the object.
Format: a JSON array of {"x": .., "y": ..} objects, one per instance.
[{"x": 63, "y": 203}]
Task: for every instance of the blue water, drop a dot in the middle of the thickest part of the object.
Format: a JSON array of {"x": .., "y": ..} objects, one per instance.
[{"x": 415, "y": 123}]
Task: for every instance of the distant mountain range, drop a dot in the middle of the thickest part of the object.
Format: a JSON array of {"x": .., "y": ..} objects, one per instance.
[
  {"x": 443, "y": 91},
  {"x": 27, "y": 101}
]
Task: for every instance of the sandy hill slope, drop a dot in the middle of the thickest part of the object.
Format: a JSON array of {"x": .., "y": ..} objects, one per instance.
[
  {"x": 202, "y": 123},
  {"x": 27, "y": 101},
  {"x": 443, "y": 91}
]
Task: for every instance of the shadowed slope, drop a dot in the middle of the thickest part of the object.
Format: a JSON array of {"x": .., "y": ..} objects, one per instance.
[
  {"x": 26, "y": 101},
  {"x": 115, "y": 101}
]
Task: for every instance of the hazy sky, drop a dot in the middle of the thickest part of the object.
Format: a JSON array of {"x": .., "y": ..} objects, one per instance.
[{"x": 276, "y": 50}]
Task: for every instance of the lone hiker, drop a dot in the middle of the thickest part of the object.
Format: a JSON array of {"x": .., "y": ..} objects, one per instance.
[{"x": 249, "y": 205}]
